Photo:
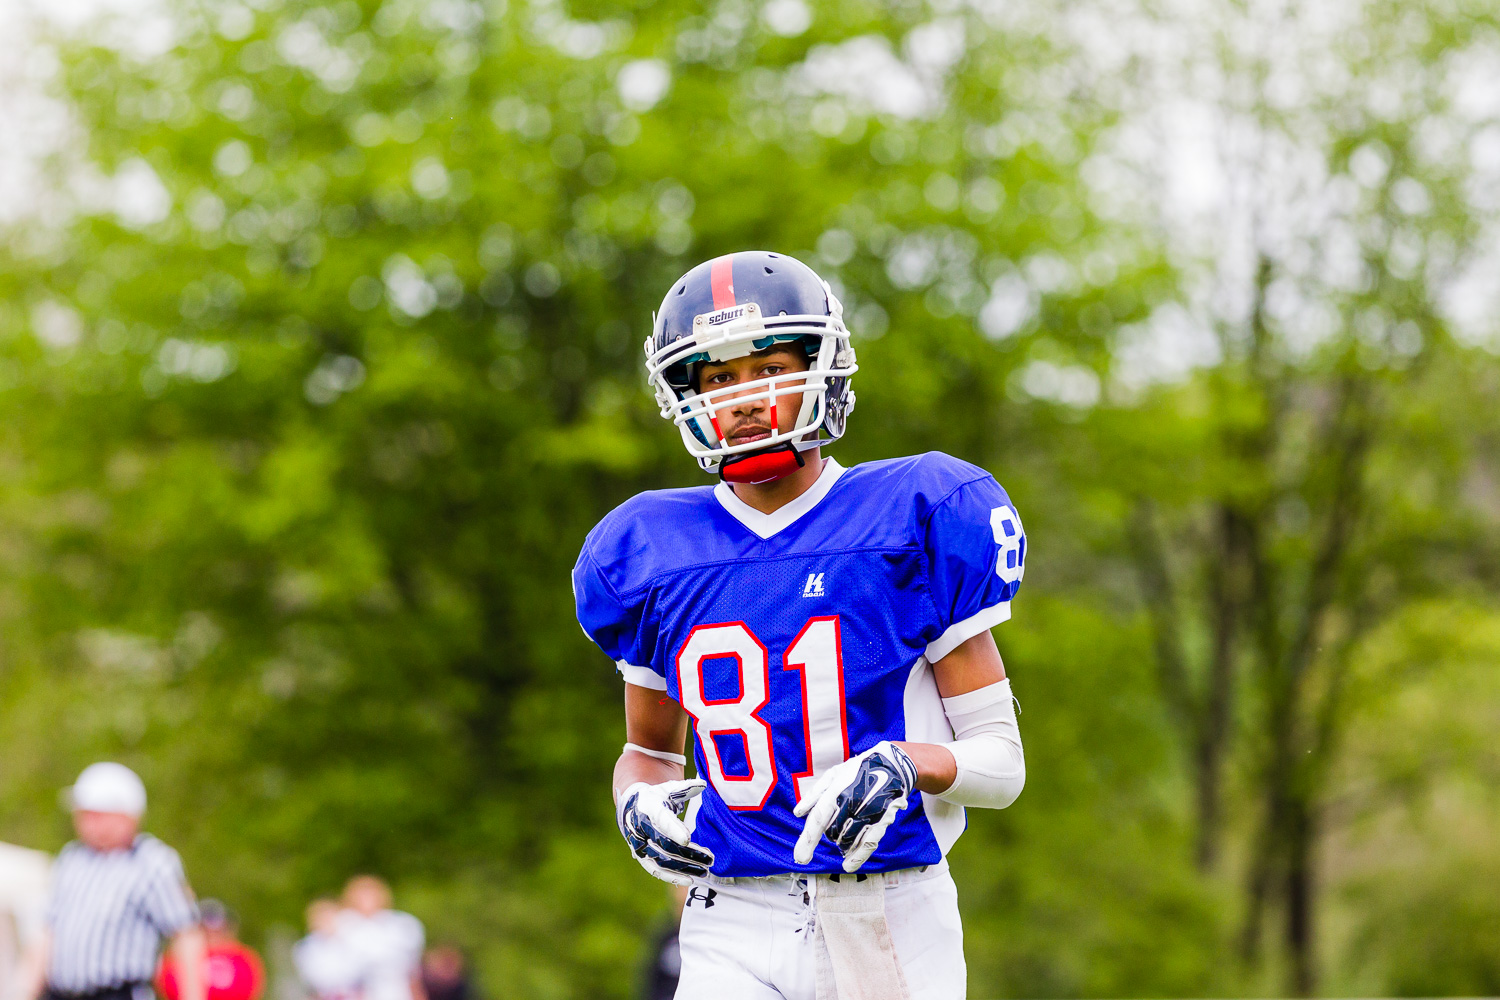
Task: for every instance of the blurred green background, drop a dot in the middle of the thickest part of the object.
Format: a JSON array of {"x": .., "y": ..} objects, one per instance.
[{"x": 320, "y": 353}]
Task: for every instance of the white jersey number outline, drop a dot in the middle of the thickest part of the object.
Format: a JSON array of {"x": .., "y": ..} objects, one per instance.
[{"x": 816, "y": 653}]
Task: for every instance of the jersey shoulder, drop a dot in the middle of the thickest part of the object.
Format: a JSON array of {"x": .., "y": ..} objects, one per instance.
[
  {"x": 648, "y": 534},
  {"x": 405, "y": 922},
  {"x": 920, "y": 482},
  {"x": 156, "y": 853}
]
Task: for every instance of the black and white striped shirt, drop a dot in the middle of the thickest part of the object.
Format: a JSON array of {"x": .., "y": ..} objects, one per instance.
[{"x": 109, "y": 912}]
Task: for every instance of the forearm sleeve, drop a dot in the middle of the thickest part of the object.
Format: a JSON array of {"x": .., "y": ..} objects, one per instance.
[{"x": 987, "y": 750}]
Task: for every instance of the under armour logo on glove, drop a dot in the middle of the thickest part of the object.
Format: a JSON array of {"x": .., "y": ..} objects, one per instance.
[
  {"x": 650, "y": 817},
  {"x": 854, "y": 802}
]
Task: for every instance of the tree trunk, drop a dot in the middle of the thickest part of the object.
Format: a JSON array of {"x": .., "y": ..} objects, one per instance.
[
  {"x": 1257, "y": 891},
  {"x": 1227, "y": 588},
  {"x": 1209, "y": 757},
  {"x": 1300, "y": 888}
]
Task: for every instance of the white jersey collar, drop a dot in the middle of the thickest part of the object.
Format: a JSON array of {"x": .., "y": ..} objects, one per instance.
[{"x": 766, "y": 525}]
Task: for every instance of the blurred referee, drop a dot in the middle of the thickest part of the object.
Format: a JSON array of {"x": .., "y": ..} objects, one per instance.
[{"x": 117, "y": 894}]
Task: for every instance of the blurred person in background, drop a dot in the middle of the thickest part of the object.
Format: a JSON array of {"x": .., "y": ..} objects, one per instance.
[
  {"x": 24, "y": 878},
  {"x": 117, "y": 894},
  {"x": 325, "y": 962},
  {"x": 231, "y": 969},
  {"x": 445, "y": 974},
  {"x": 665, "y": 965},
  {"x": 387, "y": 944}
]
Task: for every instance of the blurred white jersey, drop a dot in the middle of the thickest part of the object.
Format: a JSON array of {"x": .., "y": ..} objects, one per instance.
[
  {"x": 328, "y": 967},
  {"x": 388, "y": 948},
  {"x": 24, "y": 880},
  {"x": 755, "y": 938}
]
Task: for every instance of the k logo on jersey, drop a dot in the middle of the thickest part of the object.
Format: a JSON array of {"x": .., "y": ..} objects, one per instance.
[
  {"x": 814, "y": 585},
  {"x": 1011, "y": 537}
]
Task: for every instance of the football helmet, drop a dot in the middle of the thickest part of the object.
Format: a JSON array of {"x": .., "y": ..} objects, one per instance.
[{"x": 728, "y": 308}]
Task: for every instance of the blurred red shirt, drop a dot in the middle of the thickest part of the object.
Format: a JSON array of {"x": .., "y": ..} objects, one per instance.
[{"x": 234, "y": 972}]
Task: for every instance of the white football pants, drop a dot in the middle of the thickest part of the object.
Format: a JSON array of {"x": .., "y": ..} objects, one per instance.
[{"x": 752, "y": 938}]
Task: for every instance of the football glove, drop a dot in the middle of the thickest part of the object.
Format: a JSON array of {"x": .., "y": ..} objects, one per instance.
[
  {"x": 854, "y": 802},
  {"x": 650, "y": 817}
]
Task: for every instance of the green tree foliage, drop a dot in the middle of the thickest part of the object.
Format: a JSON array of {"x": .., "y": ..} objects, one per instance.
[{"x": 303, "y": 429}]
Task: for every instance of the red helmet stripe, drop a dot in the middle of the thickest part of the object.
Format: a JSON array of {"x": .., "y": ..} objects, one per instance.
[{"x": 721, "y": 278}]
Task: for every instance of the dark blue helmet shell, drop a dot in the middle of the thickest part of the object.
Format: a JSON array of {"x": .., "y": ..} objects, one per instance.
[{"x": 780, "y": 285}]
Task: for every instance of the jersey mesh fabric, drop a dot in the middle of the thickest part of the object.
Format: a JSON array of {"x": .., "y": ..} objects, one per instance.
[{"x": 895, "y": 554}]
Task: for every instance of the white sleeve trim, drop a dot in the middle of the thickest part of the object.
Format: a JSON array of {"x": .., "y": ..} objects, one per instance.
[
  {"x": 960, "y": 632},
  {"x": 641, "y": 676}
]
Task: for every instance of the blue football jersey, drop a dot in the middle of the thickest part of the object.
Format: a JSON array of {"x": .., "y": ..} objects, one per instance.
[{"x": 799, "y": 638}]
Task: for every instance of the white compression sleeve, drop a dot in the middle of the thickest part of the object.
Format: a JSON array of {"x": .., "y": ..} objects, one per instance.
[{"x": 991, "y": 762}]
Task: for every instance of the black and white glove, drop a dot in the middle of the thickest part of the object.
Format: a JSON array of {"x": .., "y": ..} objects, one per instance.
[
  {"x": 854, "y": 802},
  {"x": 650, "y": 817}
]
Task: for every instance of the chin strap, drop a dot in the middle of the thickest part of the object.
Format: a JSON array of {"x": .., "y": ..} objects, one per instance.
[{"x": 762, "y": 466}]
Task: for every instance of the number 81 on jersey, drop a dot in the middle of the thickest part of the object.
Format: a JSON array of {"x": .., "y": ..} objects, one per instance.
[{"x": 816, "y": 653}]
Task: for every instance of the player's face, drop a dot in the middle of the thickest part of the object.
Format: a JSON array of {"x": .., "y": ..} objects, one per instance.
[
  {"x": 323, "y": 916},
  {"x": 105, "y": 831},
  {"x": 746, "y": 417},
  {"x": 367, "y": 895}
]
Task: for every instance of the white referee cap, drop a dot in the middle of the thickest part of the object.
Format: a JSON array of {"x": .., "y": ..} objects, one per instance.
[{"x": 108, "y": 787}]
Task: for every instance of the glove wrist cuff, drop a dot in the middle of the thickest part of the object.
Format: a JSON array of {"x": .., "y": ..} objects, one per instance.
[{"x": 907, "y": 766}]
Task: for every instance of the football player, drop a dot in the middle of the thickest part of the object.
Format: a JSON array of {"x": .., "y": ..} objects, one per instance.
[{"x": 825, "y": 633}]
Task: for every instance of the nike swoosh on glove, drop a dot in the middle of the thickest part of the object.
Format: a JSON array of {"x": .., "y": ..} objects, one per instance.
[
  {"x": 650, "y": 817},
  {"x": 854, "y": 802}
]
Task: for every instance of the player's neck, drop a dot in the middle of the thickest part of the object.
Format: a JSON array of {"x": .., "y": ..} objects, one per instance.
[{"x": 771, "y": 497}]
